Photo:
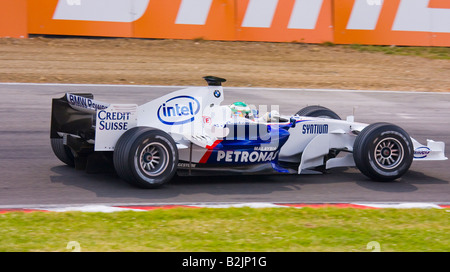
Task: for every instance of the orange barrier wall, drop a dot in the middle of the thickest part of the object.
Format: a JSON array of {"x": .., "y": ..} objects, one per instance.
[
  {"x": 43, "y": 19},
  {"x": 398, "y": 22},
  {"x": 392, "y": 22},
  {"x": 247, "y": 20},
  {"x": 187, "y": 19},
  {"x": 13, "y": 18},
  {"x": 285, "y": 20}
]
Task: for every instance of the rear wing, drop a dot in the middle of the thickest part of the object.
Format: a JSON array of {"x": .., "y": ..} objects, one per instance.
[
  {"x": 74, "y": 114},
  {"x": 82, "y": 121}
]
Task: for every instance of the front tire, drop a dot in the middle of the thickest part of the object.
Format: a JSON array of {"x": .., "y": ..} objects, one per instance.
[
  {"x": 383, "y": 151},
  {"x": 146, "y": 157}
]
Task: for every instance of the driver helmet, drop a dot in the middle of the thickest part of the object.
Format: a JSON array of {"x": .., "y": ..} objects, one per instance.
[{"x": 241, "y": 109}]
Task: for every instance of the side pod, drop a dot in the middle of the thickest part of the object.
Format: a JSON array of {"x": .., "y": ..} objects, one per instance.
[{"x": 315, "y": 152}]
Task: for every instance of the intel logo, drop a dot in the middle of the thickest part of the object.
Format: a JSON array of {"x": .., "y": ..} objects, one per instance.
[
  {"x": 178, "y": 110},
  {"x": 421, "y": 152}
]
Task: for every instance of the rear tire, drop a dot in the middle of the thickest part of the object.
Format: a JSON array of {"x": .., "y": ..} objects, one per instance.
[
  {"x": 383, "y": 151},
  {"x": 318, "y": 111},
  {"x": 146, "y": 157},
  {"x": 62, "y": 152}
]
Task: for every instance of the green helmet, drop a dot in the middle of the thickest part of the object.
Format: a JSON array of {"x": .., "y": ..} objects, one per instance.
[{"x": 241, "y": 109}]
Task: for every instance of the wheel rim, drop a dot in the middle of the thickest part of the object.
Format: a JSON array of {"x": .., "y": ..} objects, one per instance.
[
  {"x": 153, "y": 159},
  {"x": 389, "y": 153}
]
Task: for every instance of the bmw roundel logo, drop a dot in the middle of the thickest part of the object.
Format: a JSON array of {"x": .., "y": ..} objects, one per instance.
[{"x": 217, "y": 93}]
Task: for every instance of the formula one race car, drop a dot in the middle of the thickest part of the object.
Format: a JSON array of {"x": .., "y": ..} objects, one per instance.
[{"x": 189, "y": 132}]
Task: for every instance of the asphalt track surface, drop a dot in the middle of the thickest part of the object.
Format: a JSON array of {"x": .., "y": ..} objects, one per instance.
[{"x": 31, "y": 176}]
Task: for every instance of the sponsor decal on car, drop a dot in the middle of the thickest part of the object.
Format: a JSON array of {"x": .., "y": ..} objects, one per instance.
[
  {"x": 113, "y": 120},
  {"x": 111, "y": 123},
  {"x": 421, "y": 152},
  {"x": 84, "y": 102},
  {"x": 186, "y": 165},
  {"x": 266, "y": 148},
  {"x": 217, "y": 93},
  {"x": 245, "y": 156},
  {"x": 206, "y": 119},
  {"x": 178, "y": 110},
  {"x": 315, "y": 129}
]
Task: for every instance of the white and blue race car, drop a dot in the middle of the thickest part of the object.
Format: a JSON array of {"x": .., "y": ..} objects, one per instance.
[{"x": 189, "y": 132}]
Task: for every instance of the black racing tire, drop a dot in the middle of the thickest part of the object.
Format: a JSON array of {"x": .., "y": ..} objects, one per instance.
[
  {"x": 318, "y": 111},
  {"x": 145, "y": 157},
  {"x": 62, "y": 152},
  {"x": 383, "y": 152}
]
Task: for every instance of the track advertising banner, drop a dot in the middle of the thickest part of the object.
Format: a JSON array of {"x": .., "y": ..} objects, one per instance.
[{"x": 397, "y": 22}]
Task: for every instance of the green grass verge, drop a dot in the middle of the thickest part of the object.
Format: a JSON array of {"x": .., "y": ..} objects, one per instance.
[
  {"x": 421, "y": 51},
  {"x": 233, "y": 229}
]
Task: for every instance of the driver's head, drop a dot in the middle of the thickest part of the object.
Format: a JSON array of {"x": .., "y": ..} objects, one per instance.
[{"x": 242, "y": 110}]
